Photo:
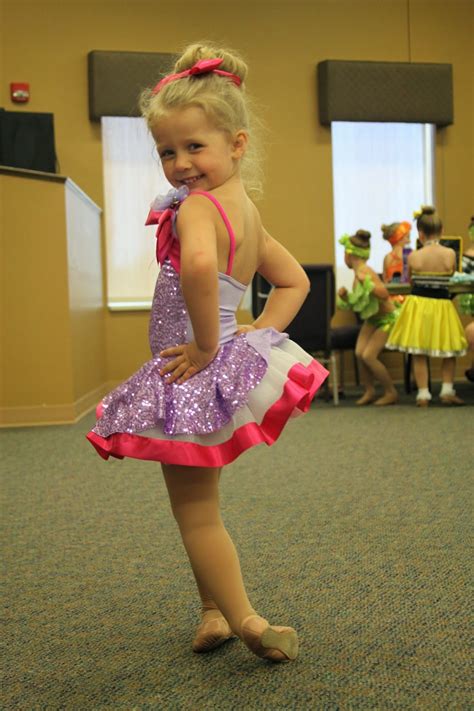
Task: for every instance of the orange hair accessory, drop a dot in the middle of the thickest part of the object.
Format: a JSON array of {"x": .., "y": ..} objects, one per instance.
[{"x": 402, "y": 230}]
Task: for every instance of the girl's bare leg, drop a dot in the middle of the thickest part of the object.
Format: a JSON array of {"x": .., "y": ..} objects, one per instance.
[
  {"x": 194, "y": 497},
  {"x": 448, "y": 394},
  {"x": 214, "y": 629},
  {"x": 209, "y": 608},
  {"x": 366, "y": 375},
  {"x": 448, "y": 366},
  {"x": 420, "y": 369},
  {"x": 371, "y": 360}
]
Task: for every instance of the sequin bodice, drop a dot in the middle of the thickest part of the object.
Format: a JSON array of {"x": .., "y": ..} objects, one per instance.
[
  {"x": 169, "y": 322},
  {"x": 168, "y": 311}
]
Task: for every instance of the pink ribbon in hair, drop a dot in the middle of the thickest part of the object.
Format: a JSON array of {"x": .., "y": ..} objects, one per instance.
[{"x": 204, "y": 66}]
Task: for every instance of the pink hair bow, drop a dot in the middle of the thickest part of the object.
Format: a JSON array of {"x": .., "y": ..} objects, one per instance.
[
  {"x": 204, "y": 66},
  {"x": 163, "y": 213}
]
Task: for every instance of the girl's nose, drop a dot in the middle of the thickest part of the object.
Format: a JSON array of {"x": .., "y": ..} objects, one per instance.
[{"x": 182, "y": 162}]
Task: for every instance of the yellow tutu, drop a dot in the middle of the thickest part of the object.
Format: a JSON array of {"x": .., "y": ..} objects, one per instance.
[{"x": 429, "y": 327}]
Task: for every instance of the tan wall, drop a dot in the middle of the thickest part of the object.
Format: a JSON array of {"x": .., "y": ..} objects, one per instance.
[
  {"x": 52, "y": 331},
  {"x": 283, "y": 42},
  {"x": 36, "y": 335}
]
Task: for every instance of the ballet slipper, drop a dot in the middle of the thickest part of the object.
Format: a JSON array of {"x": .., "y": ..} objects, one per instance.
[
  {"x": 211, "y": 634},
  {"x": 278, "y": 644},
  {"x": 388, "y": 399},
  {"x": 422, "y": 403},
  {"x": 366, "y": 399},
  {"x": 450, "y": 400}
]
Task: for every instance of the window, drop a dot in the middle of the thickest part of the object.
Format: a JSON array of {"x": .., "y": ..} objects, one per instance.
[
  {"x": 382, "y": 172},
  {"x": 133, "y": 176}
]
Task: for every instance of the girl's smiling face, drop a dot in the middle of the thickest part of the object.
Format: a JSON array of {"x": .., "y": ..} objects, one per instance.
[{"x": 194, "y": 152}]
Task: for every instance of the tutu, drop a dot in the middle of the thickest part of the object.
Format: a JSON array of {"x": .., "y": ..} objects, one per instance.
[
  {"x": 244, "y": 397},
  {"x": 428, "y": 326}
]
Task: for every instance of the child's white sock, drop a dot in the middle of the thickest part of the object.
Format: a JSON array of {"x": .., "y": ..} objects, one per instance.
[
  {"x": 423, "y": 394},
  {"x": 447, "y": 389}
]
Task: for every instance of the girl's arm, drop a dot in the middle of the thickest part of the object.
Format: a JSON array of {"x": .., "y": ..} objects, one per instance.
[
  {"x": 379, "y": 290},
  {"x": 291, "y": 286},
  {"x": 199, "y": 282}
]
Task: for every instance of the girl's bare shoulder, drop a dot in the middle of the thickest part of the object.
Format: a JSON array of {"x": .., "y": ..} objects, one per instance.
[{"x": 365, "y": 271}]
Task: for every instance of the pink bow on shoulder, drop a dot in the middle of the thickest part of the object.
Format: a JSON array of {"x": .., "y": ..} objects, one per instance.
[{"x": 163, "y": 213}]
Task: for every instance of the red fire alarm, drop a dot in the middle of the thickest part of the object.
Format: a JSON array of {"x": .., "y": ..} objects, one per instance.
[{"x": 19, "y": 92}]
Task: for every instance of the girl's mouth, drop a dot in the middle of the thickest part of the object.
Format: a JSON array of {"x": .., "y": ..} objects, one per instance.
[{"x": 191, "y": 181}]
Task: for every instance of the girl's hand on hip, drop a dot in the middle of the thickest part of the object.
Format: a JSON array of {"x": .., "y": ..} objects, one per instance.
[
  {"x": 188, "y": 360},
  {"x": 342, "y": 292},
  {"x": 244, "y": 328}
]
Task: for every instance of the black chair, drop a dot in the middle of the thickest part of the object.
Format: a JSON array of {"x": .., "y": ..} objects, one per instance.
[
  {"x": 344, "y": 338},
  {"x": 311, "y": 327}
]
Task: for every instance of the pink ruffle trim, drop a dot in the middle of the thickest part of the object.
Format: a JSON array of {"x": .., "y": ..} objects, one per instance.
[{"x": 300, "y": 388}]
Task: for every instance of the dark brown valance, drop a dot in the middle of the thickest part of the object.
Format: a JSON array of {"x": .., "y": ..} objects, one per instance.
[
  {"x": 117, "y": 78},
  {"x": 404, "y": 92}
]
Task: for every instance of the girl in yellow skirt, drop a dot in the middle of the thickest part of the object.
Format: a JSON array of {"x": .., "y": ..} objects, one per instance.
[
  {"x": 370, "y": 299},
  {"x": 428, "y": 324}
]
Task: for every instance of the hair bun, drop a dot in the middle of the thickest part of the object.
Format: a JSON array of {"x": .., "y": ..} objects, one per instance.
[
  {"x": 363, "y": 234},
  {"x": 387, "y": 230},
  {"x": 428, "y": 210},
  {"x": 231, "y": 60}
]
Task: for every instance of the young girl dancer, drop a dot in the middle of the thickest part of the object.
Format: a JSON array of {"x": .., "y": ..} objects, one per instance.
[
  {"x": 428, "y": 324},
  {"x": 211, "y": 390},
  {"x": 398, "y": 235},
  {"x": 370, "y": 299}
]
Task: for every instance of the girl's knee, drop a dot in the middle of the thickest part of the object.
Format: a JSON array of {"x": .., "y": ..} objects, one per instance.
[{"x": 367, "y": 356}]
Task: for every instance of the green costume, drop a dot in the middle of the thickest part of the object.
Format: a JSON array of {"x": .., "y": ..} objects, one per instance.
[{"x": 364, "y": 303}]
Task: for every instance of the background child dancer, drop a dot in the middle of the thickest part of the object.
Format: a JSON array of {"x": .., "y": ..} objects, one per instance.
[
  {"x": 211, "y": 392},
  {"x": 398, "y": 235},
  {"x": 428, "y": 324},
  {"x": 466, "y": 301},
  {"x": 370, "y": 299}
]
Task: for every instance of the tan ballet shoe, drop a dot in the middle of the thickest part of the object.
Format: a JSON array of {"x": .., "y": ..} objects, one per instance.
[
  {"x": 366, "y": 399},
  {"x": 388, "y": 399},
  {"x": 451, "y": 400},
  {"x": 211, "y": 634},
  {"x": 422, "y": 403},
  {"x": 278, "y": 644}
]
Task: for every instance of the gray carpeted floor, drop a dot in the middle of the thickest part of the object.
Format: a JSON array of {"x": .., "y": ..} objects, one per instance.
[{"x": 354, "y": 528}]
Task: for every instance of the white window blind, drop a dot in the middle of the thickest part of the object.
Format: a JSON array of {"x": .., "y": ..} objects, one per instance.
[
  {"x": 382, "y": 172},
  {"x": 133, "y": 176}
]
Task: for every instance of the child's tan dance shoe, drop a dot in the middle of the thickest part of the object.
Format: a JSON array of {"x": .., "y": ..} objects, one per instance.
[
  {"x": 278, "y": 644},
  {"x": 211, "y": 634},
  {"x": 451, "y": 400}
]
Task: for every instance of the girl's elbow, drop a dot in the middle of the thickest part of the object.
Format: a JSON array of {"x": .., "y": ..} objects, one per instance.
[{"x": 305, "y": 284}]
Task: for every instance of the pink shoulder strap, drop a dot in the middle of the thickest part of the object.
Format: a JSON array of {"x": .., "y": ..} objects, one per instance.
[{"x": 230, "y": 261}]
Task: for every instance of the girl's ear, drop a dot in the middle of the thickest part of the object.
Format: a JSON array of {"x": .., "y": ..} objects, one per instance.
[{"x": 239, "y": 144}]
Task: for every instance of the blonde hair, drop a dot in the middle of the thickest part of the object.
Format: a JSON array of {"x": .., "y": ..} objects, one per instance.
[{"x": 224, "y": 103}]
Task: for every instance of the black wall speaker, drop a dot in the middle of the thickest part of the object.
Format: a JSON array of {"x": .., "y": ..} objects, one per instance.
[
  {"x": 116, "y": 80},
  {"x": 403, "y": 92},
  {"x": 27, "y": 140}
]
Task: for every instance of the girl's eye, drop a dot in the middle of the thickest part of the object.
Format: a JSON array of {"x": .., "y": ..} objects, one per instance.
[
  {"x": 165, "y": 154},
  {"x": 194, "y": 146}
]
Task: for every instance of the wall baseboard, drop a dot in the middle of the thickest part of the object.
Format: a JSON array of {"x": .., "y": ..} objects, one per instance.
[{"x": 41, "y": 415}]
